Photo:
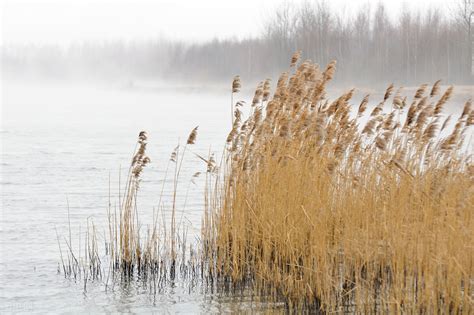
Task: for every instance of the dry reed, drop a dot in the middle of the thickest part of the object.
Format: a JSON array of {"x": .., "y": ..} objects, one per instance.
[
  {"x": 157, "y": 255},
  {"x": 314, "y": 206},
  {"x": 330, "y": 213}
]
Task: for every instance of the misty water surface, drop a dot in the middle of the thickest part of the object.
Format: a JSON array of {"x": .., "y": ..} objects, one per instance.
[{"x": 62, "y": 144}]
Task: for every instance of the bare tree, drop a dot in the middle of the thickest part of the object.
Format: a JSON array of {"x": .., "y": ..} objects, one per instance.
[{"x": 465, "y": 14}]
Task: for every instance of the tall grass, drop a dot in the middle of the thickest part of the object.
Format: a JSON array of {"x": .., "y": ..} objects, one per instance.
[
  {"x": 322, "y": 204},
  {"x": 337, "y": 210}
]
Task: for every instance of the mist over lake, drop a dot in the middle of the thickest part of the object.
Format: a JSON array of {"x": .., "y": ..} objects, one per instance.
[{"x": 317, "y": 160}]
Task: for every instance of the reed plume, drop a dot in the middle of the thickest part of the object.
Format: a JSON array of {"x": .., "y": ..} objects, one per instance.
[
  {"x": 236, "y": 86},
  {"x": 192, "y": 136},
  {"x": 294, "y": 59},
  {"x": 435, "y": 89},
  {"x": 420, "y": 91}
]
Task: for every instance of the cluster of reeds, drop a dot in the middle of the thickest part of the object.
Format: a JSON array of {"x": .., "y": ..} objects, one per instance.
[
  {"x": 321, "y": 204},
  {"x": 155, "y": 252},
  {"x": 333, "y": 207}
]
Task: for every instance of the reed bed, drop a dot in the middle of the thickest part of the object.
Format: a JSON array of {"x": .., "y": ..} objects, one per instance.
[
  {"x": 320, "y": 204},
  {"x": 339, "y": 207}
]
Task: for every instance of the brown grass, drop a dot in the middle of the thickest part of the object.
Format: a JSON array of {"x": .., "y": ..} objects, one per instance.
[{"x": 329, "y": 213}]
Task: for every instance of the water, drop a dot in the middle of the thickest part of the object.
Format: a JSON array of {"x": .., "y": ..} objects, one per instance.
[{"x": 61, "y": 145}]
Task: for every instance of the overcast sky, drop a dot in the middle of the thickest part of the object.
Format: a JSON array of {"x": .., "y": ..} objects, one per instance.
[{"x": 67, "y": 21}]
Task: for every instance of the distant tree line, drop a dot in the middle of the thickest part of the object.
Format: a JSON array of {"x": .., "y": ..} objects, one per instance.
[{"x": 368, "y": 45}]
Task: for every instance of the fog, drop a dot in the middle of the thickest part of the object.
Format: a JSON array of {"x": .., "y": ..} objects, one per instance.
[
  {"x": 81, "y": 79},
  {"x": 374, "y": 42},
  {"x": 67, "y": 21}
]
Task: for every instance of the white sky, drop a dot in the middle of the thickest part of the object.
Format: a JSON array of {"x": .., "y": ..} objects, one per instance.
[{"x": 67, "y": 21}]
